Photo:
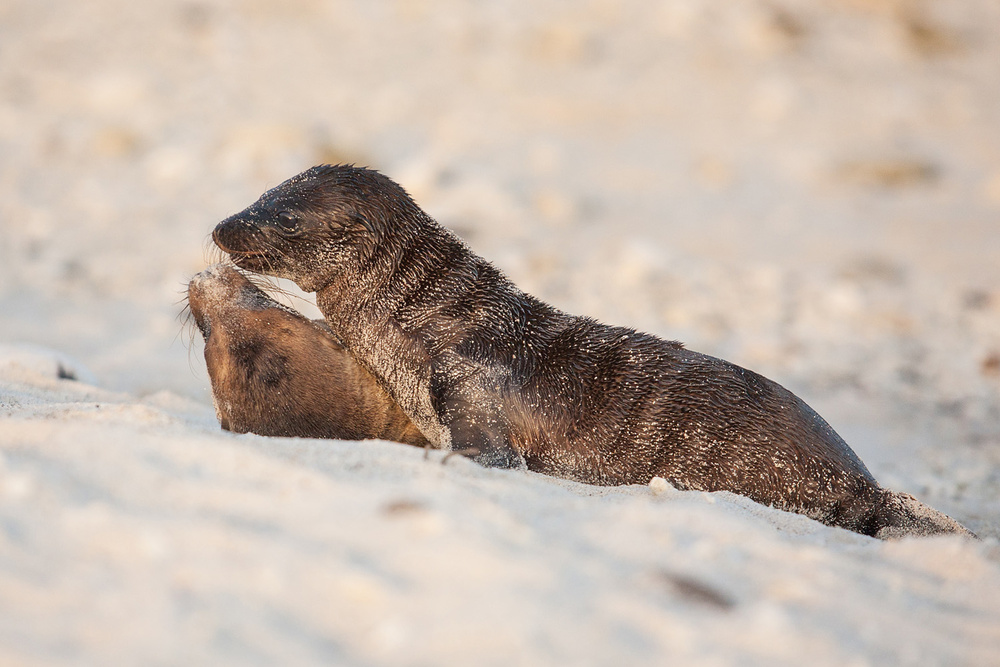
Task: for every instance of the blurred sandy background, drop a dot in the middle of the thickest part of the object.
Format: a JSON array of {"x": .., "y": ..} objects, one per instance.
[{"x": 809, "y": 189}]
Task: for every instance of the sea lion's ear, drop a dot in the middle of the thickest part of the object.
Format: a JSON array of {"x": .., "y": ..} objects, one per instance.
[{"x": 364, "y": 222}]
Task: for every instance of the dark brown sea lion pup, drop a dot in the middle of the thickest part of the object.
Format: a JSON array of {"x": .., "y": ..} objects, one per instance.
[
  {"x": 274, "y": 372},
  {"x": 486, "y": 370}
]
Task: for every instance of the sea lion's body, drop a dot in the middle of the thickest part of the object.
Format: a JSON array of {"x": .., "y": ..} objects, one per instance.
[
  {"x": 274, "y": 372},
  {"x": 484, "y": 369}
]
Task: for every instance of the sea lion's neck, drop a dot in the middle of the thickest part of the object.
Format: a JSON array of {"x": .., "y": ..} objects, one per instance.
[
  {"x": 418, "y": 301},
  {"x": 422, "y": 282}
]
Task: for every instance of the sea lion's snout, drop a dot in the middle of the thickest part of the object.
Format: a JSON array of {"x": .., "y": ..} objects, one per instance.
[
  {"x": 248, "y": 240},
  {"x": 234, "y": 233},
  {"x": 216, "y": 277},
  {"x": 212, "y": 273},
  {"x": 196, "y": 294},
  {"x": 214, "y": 291}
]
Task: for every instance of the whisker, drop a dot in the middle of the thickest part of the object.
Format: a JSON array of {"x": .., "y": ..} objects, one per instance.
[
  {"x": 186, "y": 319},
  {"x": 186, "y": 332},
  {"x": 210, "y": 251},
  {"x": 190, "y": 348},
  {"x": 268, "y": 284}
]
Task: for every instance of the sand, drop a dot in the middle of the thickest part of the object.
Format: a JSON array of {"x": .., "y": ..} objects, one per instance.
[{"x": 808, "y": 189}]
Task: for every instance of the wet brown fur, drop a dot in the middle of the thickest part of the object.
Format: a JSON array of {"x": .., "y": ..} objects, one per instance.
[
  {"x": 274, "y": 372},
  {"x": 487, "y": 370}
]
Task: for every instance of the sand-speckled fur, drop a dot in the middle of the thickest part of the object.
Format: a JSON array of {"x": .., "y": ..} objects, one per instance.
[{"x": 487, "y": 370}]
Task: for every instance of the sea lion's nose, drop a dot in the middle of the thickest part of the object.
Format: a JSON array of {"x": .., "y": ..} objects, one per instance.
[{"x": 229, "y": 233}]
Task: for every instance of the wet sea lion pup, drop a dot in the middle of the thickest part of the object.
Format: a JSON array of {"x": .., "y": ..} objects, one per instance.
[
  {"x": 491, "y": 372},
  {"x": 274, "y": 372}
]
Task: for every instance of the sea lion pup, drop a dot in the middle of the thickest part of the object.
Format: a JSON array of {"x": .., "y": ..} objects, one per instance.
[
  {"x": 274, "y": 372},
  {"x": 491, "y": 372}
]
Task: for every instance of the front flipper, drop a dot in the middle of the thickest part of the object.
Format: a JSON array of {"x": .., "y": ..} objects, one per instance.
[
  {"x": 482, "y": 438},
  {"x": 467, "y": 402}
]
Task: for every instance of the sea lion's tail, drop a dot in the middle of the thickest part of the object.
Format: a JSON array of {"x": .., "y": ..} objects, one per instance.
[{"x": 900, "y": 515}]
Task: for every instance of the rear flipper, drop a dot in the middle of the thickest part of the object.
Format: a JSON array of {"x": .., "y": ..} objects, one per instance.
[{"x": 900, "y": 515}]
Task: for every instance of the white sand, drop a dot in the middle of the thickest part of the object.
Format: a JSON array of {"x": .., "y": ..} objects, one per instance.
[{"x": 809, "y": 189}]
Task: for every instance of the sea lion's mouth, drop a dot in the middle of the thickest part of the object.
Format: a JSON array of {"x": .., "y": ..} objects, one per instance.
[
  {"x": 219, "y": 240},
  {"x": 257, "y": 261}
]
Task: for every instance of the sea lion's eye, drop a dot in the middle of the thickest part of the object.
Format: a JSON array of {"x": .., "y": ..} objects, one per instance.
[{"x": 287, "y": 221}]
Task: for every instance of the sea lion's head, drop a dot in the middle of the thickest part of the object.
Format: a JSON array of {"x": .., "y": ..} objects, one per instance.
[
  {"x": 274, "y": 372},
  {"x": 315, "y": 226},
  {"x": 244, "y": 330}
]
